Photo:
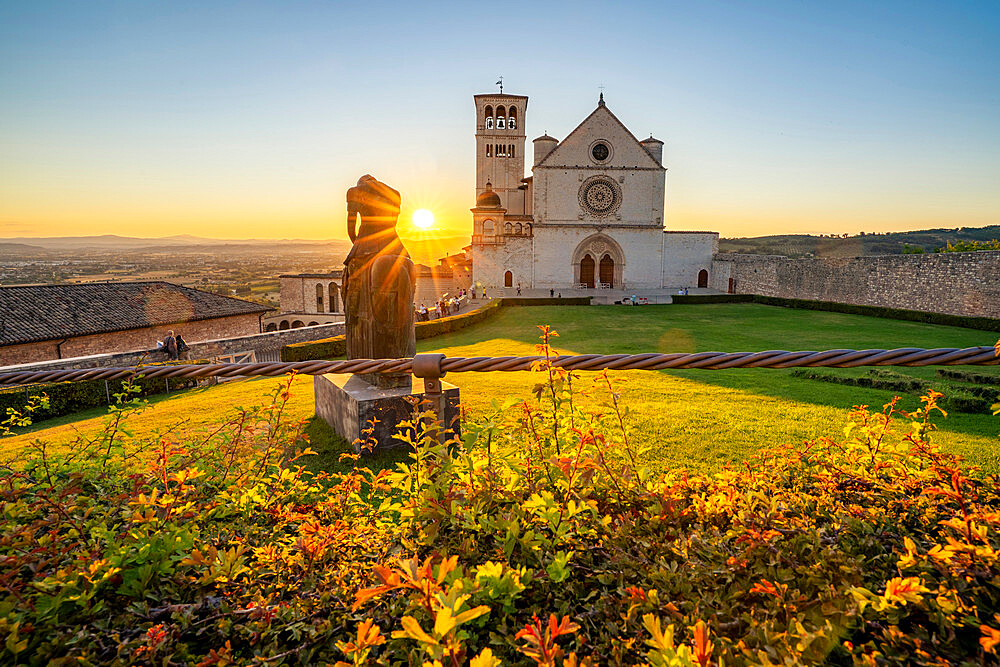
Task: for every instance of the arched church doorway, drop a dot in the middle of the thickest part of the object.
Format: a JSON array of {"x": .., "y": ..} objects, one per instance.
[
  {"x": 587, "y": 271},
  {"x": 598, "y": 259},
  {"x": 508, "y": 279},
  {"x": 607, "y": 270},
  {"x": 703, "y": 278}
]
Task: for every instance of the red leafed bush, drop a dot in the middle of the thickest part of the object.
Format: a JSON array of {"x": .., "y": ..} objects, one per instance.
[{"x": 539, "y": 539}]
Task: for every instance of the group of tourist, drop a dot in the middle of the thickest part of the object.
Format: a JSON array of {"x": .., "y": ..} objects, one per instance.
[
  {"x": 444, "y": 307},
  {"x": 174, "y": 346}
]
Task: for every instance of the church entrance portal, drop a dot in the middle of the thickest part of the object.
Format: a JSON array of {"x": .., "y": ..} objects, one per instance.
[
  {"x": 587, "y": 271},
  {"x": 703, "y": 278},
  {"x": 607, "y": 270},
  {"x": 598, "y": 261},
  {"x": 508, "y": 279}
]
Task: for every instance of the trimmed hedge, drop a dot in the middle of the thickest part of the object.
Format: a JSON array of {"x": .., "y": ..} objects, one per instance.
[
  {"x": 981, "y": 323},
  {"x": 330, "y": 348},
  {"x": 958, "y": 398},
  {"x": 69, "y": 397},
  {"x": 554, "y": 301},
  {"x": 967, "y": 376},
  {"x": 685, "y": 299}
]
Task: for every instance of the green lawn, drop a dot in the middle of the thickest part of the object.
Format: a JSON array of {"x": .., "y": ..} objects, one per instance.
[
  {"x": 702, "y": 418},
  {"x": 696, "y": 418}
]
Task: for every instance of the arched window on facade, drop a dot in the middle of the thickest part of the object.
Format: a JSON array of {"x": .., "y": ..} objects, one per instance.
[
  {"x": 319, "y": 298},
  {"x": 334, "y": 305},
  {"x": 271, "y": 326},
  {"x": 312, "y": 324},
  {"x": 508, "y": 228},
  {"x": 297, "y": 324},
  {"x": 487, "y": 227},
  {"x": 283, "y": 326},
  {"x": 527, "y": 228},
  {"x": 489, "y": 150},
  {"x": 501, "y": 113},
  {"x": 517, "y": 229},
  {"x": 508, "y": 279},
  {"x": 489, "y": 117},
  {"x": 703, "y": 278},
  {"x": 512, "y": 119},
  {"x": 512, "y": 150}
]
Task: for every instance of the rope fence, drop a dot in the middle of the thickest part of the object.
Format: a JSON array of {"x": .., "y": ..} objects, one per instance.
[{"x": 436, "y": 365}]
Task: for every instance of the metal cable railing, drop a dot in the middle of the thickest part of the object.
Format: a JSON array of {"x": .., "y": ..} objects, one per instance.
[{"x": 438, "y": 365}]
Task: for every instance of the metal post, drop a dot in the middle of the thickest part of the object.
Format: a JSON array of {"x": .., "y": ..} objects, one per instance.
[
  {"x": 428, "y": 367},
  {"x": 107, "y": 391}
]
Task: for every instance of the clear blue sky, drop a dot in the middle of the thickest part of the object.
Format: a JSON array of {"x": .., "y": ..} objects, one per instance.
[{"x": 239, "y": 119}]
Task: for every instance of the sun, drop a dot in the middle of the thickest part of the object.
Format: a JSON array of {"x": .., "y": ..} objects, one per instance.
[{"x": 423, "y": 218}]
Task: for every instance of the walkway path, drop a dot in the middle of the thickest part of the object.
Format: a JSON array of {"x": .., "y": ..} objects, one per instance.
[{"x": 600, "y": 296}]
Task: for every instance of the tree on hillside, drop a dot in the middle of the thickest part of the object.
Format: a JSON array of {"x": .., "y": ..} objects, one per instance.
[{"x": 970, "y": 246}]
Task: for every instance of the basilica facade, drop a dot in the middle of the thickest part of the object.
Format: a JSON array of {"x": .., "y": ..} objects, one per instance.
[{"x": 590, "y": 215}]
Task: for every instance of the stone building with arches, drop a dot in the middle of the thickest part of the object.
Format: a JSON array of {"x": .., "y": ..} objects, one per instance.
[
  {"x": 308, "y": 299},
  {"x": 590, "y": 215}
]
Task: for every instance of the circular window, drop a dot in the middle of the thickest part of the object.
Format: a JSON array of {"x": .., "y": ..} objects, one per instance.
[
  {"x": 600, "y": 196},
  {"x": 600, "y": 151}
]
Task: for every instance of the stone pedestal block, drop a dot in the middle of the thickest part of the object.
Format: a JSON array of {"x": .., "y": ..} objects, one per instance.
[{"x": 347, "y": 403}]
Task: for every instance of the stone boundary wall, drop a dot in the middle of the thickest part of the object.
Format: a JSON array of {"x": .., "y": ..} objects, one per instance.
[
  {"x": 267, "y": 345},
  {"x": 112, "y": 342},
  {"x": 957, "y": 283}
]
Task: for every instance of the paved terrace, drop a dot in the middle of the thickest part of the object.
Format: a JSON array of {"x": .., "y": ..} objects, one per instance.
[{"x": 600, "y": 296}]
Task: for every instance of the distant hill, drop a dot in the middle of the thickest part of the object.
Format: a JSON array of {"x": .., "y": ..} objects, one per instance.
[
  {"x": 890, "y": 243},
  {"x": 20, "y": 249},
  {"x": 112, "y": 241}
]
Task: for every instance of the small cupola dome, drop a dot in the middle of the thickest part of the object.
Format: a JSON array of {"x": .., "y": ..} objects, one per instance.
[
  {"x": 654, "y": 147},
  {"x": 488, "y": 199},
  {"x": 543, "y": 146}
]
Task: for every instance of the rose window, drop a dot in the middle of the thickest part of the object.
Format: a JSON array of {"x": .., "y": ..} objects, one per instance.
[{"x": 600, "y": 196}]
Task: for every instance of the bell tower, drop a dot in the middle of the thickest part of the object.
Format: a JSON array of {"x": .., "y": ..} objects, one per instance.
[{"x": 500, "y": 148}]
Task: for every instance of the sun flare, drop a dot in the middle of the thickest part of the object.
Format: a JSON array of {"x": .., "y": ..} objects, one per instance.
[{"x": 423, "y": 218}]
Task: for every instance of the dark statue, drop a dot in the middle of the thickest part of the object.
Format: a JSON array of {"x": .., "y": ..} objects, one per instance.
[{"x": 379, "y": 281}]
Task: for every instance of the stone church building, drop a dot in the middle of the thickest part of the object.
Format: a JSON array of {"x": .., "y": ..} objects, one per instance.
[{"x": 589, "y": 216}]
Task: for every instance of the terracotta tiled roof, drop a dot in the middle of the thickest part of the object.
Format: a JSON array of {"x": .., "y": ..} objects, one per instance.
[{"x": 48, "y": 312}]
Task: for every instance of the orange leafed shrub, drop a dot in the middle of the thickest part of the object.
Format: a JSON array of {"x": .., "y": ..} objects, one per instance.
[{"x": 560, "y": 549}]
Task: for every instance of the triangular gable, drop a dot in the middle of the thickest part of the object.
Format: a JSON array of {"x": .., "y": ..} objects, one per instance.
[{"x": 574, "y": 150}]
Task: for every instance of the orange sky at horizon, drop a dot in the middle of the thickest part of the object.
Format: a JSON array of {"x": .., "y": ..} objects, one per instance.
[{"x": 312, "y": 216}]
